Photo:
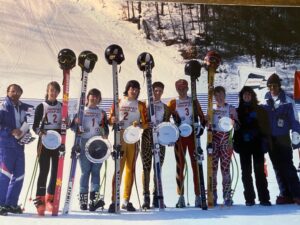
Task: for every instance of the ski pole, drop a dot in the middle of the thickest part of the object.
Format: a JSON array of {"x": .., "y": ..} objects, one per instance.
[
  {"x": 31, "y": 183},
  {"x": 136, "y": 187}
]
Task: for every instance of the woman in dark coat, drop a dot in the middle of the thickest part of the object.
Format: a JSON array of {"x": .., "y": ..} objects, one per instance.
[{"x": 252, "y": 141}]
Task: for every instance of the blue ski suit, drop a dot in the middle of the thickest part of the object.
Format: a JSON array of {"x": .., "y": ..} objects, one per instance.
[
  {"x": 12, "y": 160},
  {"x": 283, "y": 119}
]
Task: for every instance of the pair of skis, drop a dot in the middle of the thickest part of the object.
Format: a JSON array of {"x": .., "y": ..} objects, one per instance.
[
  {"x": 114, "y": 56},
  {"x": 193, "y": 68},
  {"x": 67, "y": 60},
  {"x": 212, "y": 61},
  {"x": 145, "y": 63},
  {"x": 86, "y": 61}
]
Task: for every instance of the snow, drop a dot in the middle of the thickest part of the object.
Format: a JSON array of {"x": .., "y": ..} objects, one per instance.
[{"x": 32, "y": 33}]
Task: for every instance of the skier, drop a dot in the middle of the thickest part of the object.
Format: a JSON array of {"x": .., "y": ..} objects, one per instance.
[
  {"x": 132, "y": 111},
  {"x": 181, "y": 110},
  {"x": 283, "y": 118},
  {"x": 252, "y": 141},
  {"x": 13, "y": 114},
  {"x": 222, "y": 148},
  {"x": 162, "y": 114},
  {"x": 95, "y": 123},
  {"x": 47, "y": 113}
]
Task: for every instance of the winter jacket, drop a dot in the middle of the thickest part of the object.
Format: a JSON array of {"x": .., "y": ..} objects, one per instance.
[
  {"x": 8, "y": 121},
  {"x": 283, "y": 115},
  {"x": 254, "y": 132}
]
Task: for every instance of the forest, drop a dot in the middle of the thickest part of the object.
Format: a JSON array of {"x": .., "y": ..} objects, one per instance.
[{"x": 265, "y": 34}]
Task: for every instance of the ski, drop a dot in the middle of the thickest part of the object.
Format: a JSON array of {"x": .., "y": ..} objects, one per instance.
[
  {"x": 211, "y": 60},
  {"x": 193, "y": 69},
  {"x": 86, "y": 61},
  {"x": 66, "y": 60},
  {"x": 114, "y": 56},
  {"x": 146, "y": 63}
]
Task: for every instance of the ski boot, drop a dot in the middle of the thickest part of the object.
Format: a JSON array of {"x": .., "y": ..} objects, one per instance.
[
  {"x": 49, "y": 202},
  {"x": 111, "y": 208},
  {"x": 228, "y": 199},
  {"x": 95, "y": 201},
  {"x": 3, "y": 211},
  {"x": 155, "y": 201},
  {"x": 215, "y": 198},
  {"x": 181, "y": 202},
  {"x": 39, "y": 203},
  {"x": 146, "y": 204},
  {"x": 14, "y": 209},
  {"x": 128, "y": 206},
  {"x": 198, "y": 201},
  {"x": 83, "y": 201}
]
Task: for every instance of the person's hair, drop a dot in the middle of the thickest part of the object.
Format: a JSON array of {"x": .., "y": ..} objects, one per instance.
[
  {"x": 219, "y": 89},
  {"x": 95, "y": 92},
  {"x": 158, "y": 84},
  {"x": 16, "y": 86},
  {"x": 52, "y": 84},
  {"x": 131, "y": 84},
  {"x": 253, "y": 102}
]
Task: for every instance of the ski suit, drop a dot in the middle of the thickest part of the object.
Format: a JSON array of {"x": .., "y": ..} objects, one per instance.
[
  {"x": 50, "y": 112},
  {"x": 283, "y": 118},
  {"x": 162, "y": 115},
  {"x": 130, "y": 112},
  {"x": 181, "y": 111},
  {"x": 222, "y": 148},
  {"x": 12, "y": 158}
]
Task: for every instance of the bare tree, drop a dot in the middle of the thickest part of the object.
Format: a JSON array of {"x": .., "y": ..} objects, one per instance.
[
  {"x": 162, "y": 11},
  {"x": 172, "y": 22},
  {"x": 157, "y": 16},
  {"x": 182, "y": 22},
  {"x": 191, "y": 15}
]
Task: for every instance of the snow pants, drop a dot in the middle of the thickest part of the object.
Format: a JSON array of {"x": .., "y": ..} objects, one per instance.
[
  {"x": 47, "y": 157},
  {"x": 89, "y": 171},
  {"x": 180, "y": 150},
  {"x": 147, "y": 155},
  {"x": 128, "y": 160},
  {"x": 222, "y": 152},
  {"x": 260, "y": 176},
  {"x": 12, "y": 169},
  {"x": 281, "y": 156}
]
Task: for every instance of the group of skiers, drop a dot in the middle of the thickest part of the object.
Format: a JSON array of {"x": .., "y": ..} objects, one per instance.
[{"x": 257, "y": 129}]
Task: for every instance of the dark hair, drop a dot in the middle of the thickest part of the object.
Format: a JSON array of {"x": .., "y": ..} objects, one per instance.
[
  {"x": 16, "y": 86},
  {"x": 53, "y": 84},
  {"x": 95, "y": 92},
  {"x": 158, "y": 84},
  {"x": 274, "y": 79},
  {"x": 133, "y": 84},
  {"x": 253, "y": 102},
  {"x": 219, "y": 89}
]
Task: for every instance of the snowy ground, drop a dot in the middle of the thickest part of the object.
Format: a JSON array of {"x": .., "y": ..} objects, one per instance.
[{"x": 32, "y": 33}]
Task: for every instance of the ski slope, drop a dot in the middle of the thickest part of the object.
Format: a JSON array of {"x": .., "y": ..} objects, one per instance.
[{"x": 32, "y": 33}]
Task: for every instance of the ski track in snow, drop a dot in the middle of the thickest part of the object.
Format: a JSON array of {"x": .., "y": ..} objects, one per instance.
[{"x": 32, "y": 33}]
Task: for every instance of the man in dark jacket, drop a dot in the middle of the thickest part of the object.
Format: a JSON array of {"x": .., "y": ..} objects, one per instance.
[
  {"x": 283, "y": 119},
  {"x": 12, "y": 161}
]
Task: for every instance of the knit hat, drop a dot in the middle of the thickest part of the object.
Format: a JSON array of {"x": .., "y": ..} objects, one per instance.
[
  {"x": 181, "y": 83},
  {"x": 274, "y": 79}
]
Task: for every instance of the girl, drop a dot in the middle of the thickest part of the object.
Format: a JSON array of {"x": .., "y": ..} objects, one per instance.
[
  {"x": 222, "y": 149},
  {"x": 131, "y": 111},
  {"x": 94, "y": 123},
  {"x": 47, "y": 117},
  {"x": 252, "y": 141}
]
